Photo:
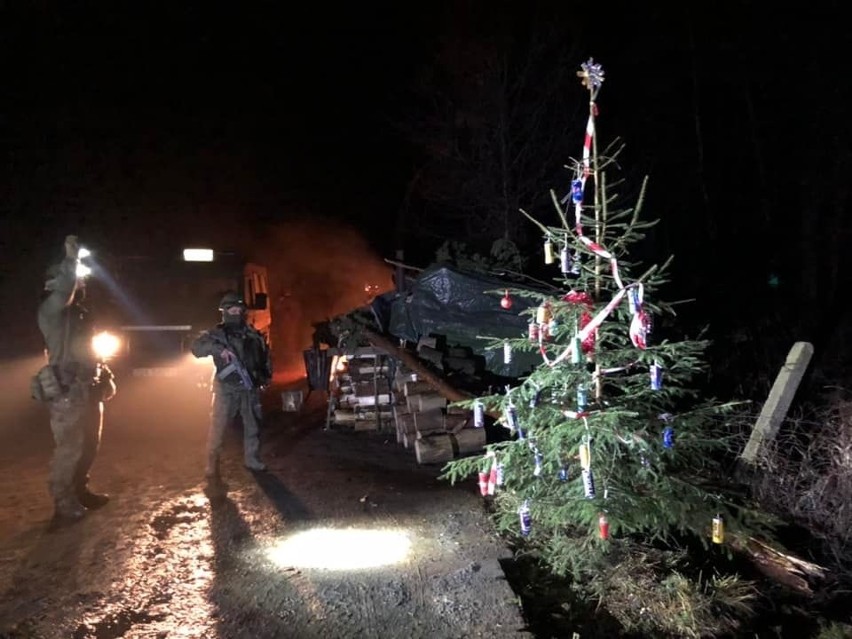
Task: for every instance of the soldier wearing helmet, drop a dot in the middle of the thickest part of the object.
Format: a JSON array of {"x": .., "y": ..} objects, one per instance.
[
  {"x": 243, "y": 368},
  {"x": 74, "y": 385}
]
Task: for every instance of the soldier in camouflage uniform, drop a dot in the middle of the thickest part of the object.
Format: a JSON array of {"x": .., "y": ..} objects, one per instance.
[
  {"x": 82, "y": 387},
  {"x": 243, "y": 368}
]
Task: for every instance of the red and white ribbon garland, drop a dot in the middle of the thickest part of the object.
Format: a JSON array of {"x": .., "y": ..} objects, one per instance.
[{"x": 640, "y": 325}]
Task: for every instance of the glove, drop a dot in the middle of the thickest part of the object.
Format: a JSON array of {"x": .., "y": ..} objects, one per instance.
[
  {"x": 105, "y": 383},
  {"x": 72, "y": 247}
]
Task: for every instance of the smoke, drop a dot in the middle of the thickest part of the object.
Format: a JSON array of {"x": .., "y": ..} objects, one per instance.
[{"x": 318, "y": 269}]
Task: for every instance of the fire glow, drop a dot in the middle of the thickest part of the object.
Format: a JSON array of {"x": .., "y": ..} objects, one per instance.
[{"x": 341, "y": 549}]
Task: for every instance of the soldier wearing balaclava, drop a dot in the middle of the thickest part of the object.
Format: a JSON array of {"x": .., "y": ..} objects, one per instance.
[
  {"x": 77, "y": 384},
  {"x": 243, "y": 367}
]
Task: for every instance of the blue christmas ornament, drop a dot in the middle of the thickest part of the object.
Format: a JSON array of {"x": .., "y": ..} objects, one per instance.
[
  {"x": 656, "y": 376},
  {"x": 668, "y": 437},
  {"x": 588, "y": 483},
  {"x": 634, "y": 298},
  {"x": 577, "y": 191},
  {"x": 512, "y": 420},
  {"x": 565, "y": 260},
  {"x": 536, "y": 398},
  {"x": 563, "y": 473}
]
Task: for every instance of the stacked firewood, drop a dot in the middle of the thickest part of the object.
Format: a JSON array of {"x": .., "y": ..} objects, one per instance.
[
  {"x": 425, "y": 423},
  {"x": 363, "y": 399}
]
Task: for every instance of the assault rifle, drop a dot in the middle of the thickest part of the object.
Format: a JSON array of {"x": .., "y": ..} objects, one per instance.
[{"x": 234, "y": 366}]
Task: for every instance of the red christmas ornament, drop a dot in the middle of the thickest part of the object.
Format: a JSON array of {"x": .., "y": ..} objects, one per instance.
[
  {"x": 585, "y": 300},
  {"x": 506, "y": 302},
  {"x": 603, "y": 526},
  {"x": 640, "y": 327},
  {"x": 534, "y": 332}
]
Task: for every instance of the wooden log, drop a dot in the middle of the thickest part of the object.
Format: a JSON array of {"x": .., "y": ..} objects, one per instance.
[
  {"x": 414, "y": 365},
  {"x": 403, "y": 376},
  {"x": 404, "y": 426},
  {"x": 412, "y": 403},
  {"x": 444, "y": 447},
  {"x": 425, "y": 401},
  {"x": 430, "y": 402},
  {"x": 347, "y": 401},
  {"x": 344, "y": 416},
  {"x": 429, "y": 421},
  {"x": 793, "y": 572},
  {"x": 408, "y": 439},
  {"x": 417, "y": 387},
  {"x": 367, "y": 370},
  {"x": 427, "y": 342},
  {"x": 452, "y": 394},
  {"x": 470, "y": 440},
  {"x": 455, "y": 423},
  {"x": 352, "y": 416},
  {"x": 433, "y": 356},
  {"x": 461, "y": 364},
  {"x": 364, "y": 425},
  {"x": 370, "y": 400},
  {"x": 368, "y": 388}
]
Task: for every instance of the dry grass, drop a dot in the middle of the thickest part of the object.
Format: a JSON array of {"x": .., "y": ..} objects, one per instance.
[
  {"x": 835, "y": 630},
  {"x": 807, "y": 478},
  {"x": 647, "y": 594}
]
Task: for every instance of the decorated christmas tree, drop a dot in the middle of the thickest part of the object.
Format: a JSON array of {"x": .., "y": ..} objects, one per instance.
[{"x": 609, "y": 439}]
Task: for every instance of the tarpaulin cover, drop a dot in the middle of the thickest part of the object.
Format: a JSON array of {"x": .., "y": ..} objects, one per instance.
[{"x": 465, "y": 308}]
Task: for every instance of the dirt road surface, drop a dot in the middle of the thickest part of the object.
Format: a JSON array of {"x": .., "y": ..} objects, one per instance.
[{"x": 287, "y": 553}]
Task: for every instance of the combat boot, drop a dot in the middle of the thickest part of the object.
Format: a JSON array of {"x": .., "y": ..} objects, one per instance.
[
  {"x": 215, "y": 488},
  {"x": 90, "y": 500},
  {"x": 211, "y": 471},
  {"x": 67, "y": 511},
  {"x": 255, "y": 464}
]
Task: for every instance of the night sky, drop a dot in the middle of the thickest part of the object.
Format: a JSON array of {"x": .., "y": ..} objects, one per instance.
[{"x": 133, "y": 123}]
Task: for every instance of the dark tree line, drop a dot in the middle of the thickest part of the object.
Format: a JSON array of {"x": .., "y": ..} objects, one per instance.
[{"x": 737, "y": 116}]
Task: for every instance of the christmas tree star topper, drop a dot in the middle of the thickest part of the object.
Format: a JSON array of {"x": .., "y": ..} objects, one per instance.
[{"x": 592, "y": 74}]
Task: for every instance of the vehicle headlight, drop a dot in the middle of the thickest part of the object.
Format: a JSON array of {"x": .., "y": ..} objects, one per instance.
[{"x": 105, "y": 345}]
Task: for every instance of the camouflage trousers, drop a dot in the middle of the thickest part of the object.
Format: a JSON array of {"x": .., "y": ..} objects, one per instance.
[
  {"x": 76, "y": 420},
  {"x": 228, "y": 404}
]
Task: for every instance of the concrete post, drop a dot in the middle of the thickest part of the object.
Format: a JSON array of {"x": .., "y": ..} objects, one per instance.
[{"x": 779, "y": 399}]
